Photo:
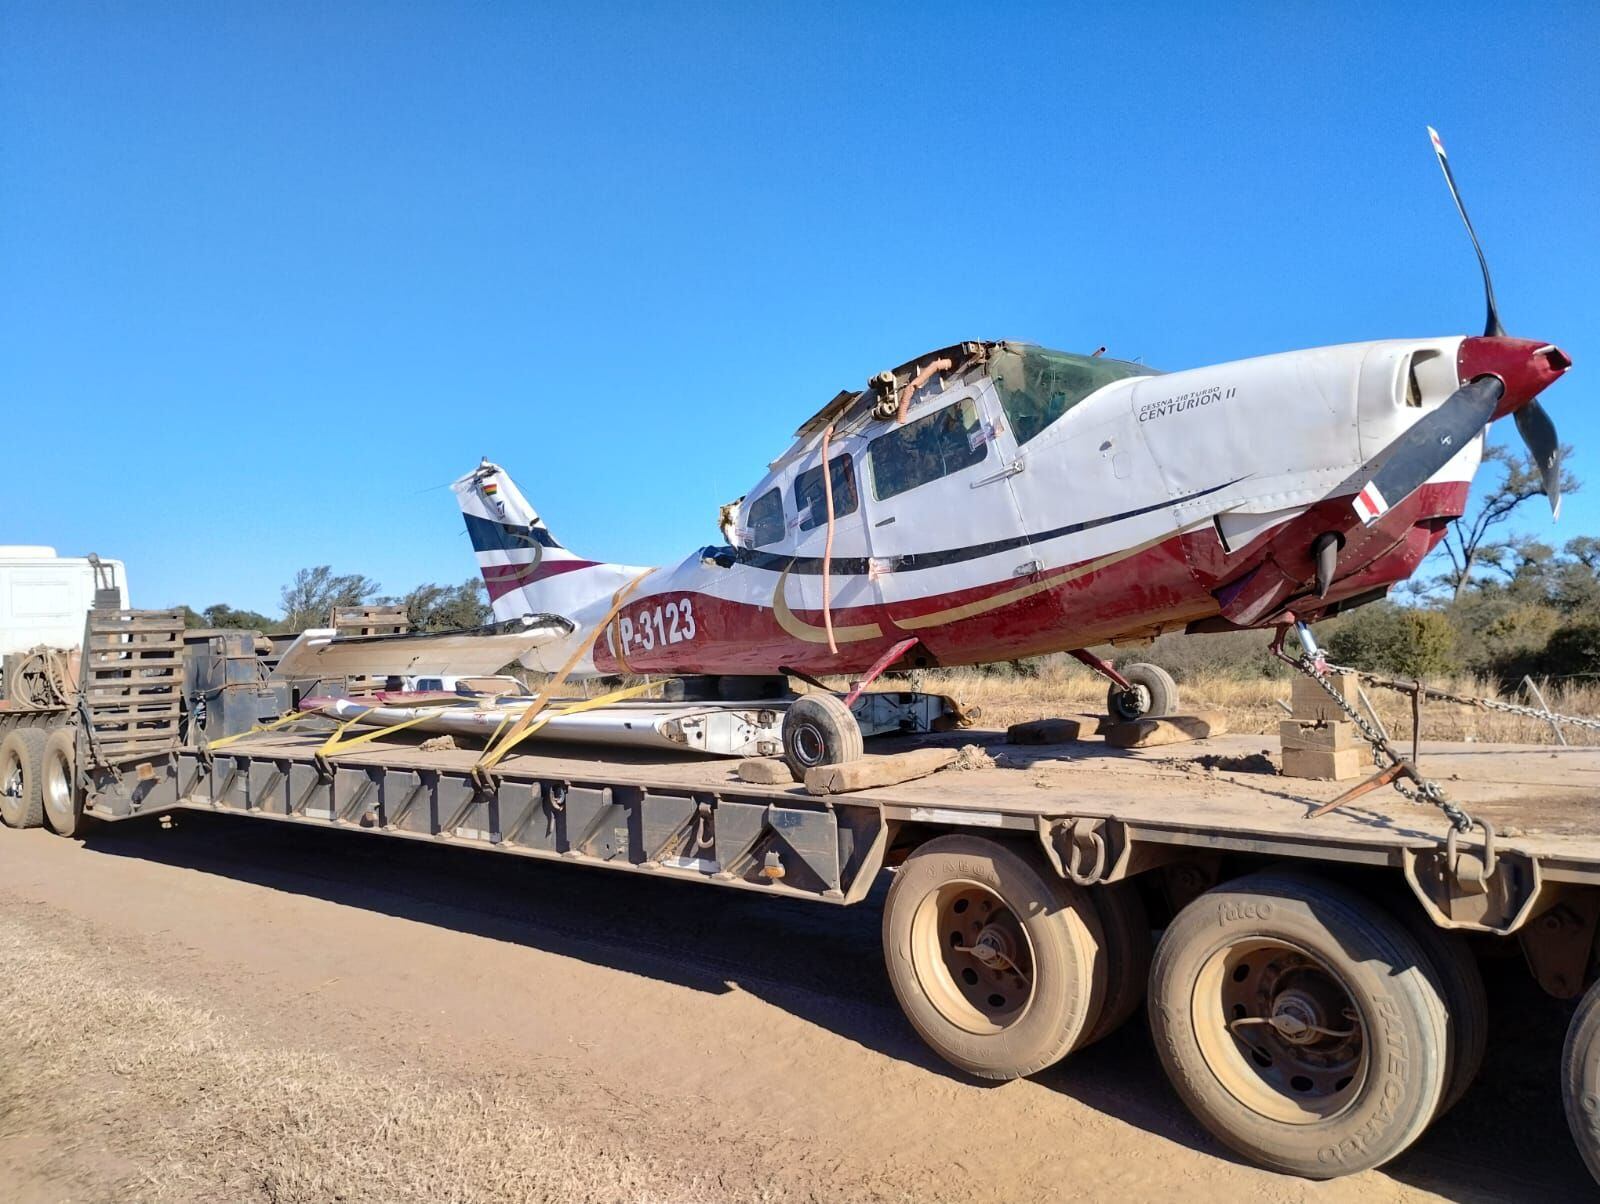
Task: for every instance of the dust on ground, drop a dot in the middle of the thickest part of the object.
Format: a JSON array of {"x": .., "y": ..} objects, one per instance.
[{"x": 231, "y": 1009}]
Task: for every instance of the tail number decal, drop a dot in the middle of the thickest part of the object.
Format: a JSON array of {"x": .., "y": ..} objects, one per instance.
[{"x": 658, "y": 626}]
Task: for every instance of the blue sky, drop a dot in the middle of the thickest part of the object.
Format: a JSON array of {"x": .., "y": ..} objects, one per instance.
[{"x": 274, "y": 273}]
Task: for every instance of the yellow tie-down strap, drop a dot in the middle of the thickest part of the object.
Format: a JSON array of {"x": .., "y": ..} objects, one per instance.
[
  {"x": 337, "y": 742},
  {"x": 292, "y": 717},
  {"x": 496, "y": 752},
  {"x": 530, "y": 721}
]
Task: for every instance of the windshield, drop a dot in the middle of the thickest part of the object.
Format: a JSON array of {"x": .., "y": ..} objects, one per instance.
[{"x": 1037, "y": 385}]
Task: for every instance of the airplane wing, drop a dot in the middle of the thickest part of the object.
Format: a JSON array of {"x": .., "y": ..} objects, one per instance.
[{"x": 323, "y": 654}]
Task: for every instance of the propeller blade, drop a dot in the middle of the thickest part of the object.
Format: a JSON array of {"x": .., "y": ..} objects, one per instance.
[
  {"x": 1492, "y": 326},
  {"x": 1428, "y": 445},
  {"x": 1539, "y": 433}
]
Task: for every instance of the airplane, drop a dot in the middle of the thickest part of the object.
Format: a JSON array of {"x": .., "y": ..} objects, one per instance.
[{"x": 989, "y": 501}]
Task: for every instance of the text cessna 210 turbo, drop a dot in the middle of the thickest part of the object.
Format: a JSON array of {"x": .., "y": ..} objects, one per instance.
[{"x": 994, "y": 500}]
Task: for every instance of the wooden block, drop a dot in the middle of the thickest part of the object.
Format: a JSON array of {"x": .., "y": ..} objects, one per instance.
[
  {"x": 866, "y": 772},
  {"x": 1169, "y": 729},
  {"x": 765, "y": 771},
  {"x": 1310, "y": 703},
  {"x": 1324, "y": 764},
  {"x": 1063, "y": 730},
  {"x": 1327, "y": 737}
]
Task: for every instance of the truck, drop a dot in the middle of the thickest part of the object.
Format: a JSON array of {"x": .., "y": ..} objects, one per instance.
[{"x": 1313, "y": 982}]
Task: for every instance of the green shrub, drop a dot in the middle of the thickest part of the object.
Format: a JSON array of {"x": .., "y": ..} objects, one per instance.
[{"x": 1403, "y": 640}]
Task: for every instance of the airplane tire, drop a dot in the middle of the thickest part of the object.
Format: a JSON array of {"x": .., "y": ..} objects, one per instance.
[
  {"x": 1154, "y": 694},
  {"x": 818, "y": 729},
  {"x": 21, "y": 766},
  {"x": 997, "y": 963},
  {"x": 1301, "y": 1024},
  {"x": 1580, "y": 1079}
]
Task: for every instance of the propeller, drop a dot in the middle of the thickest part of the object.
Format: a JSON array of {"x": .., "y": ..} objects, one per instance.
[{"x": 1441, "y": 433}]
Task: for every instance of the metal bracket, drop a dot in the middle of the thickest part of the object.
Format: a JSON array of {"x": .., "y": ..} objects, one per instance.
[
  {"x": 1559, "y": 941},
  {"x": 1083, "y": 850},
  {"x": 1481, "y": 889}
]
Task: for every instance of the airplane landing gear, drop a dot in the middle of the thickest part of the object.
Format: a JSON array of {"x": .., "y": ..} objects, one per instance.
[
  {"x": 1150, "y": 692},
  {"x": 820, "y": 730},
  {"x": 1138, "y": 692}
]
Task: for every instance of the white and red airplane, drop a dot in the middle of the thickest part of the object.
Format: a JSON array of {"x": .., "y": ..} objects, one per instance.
[{"x": 995, "y": 500}]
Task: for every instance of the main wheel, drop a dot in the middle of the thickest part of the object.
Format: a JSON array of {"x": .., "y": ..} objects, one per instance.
[
  {"x": 1153, "y": 693},
  {"x": 1300, "y": 1023},
  {"x": 996, "y": 962},
  {"x": 1580, "y": 1078},
  {"x": 21, "y": 763},
  {"x": 63, "y": 801},
  {"x": 818, "y": 729}
]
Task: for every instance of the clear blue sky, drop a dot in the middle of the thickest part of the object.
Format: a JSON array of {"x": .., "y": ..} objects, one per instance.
[{"x": 270, "y": 272}]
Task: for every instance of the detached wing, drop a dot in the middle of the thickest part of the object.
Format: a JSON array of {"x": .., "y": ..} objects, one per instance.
[{"x": 322, "y": 654}]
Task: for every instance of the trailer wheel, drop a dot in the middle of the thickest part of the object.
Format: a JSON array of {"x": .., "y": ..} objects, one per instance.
[
  {"x": 21, "y": 760},
  {"x": 1580, "y": 1078},
  {"x": 1128, "y": 949},
  {"x": 1460, "y": 984},
  {"x": 818, "y": 729},
  {"x": 1300, "y": 1023},
  {"x": 63, "y": 801},
  {"x": 996, "y": 962},
  {"x": 1154, "y": 694}
]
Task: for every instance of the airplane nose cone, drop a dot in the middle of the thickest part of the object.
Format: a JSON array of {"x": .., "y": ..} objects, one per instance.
[{"x": 1525, "y": 367}]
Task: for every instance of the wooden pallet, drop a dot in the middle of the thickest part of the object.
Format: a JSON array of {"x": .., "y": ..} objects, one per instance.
[{"x": 132, "y": 683}]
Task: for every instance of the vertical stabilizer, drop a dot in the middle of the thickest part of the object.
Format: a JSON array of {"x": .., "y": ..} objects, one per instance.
[{"x": 525, "y": 569}]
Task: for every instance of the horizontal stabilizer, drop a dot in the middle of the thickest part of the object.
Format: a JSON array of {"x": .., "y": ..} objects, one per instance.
[{"x": 322, "y": 654}]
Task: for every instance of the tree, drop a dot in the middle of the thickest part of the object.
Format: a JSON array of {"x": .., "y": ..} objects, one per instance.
[
  {"x": 221, "y": 615},
  {"x": 1467, "y": 544},
  {"x": 308, "y": 600},
  {"x": 432, "y": 607},
  {"x": 1405, "y": 640}
]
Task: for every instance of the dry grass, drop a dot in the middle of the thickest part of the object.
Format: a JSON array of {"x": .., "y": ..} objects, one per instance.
[
  {"x": 123, "y": 1093},
  {"x": 1251, "y": 705}
]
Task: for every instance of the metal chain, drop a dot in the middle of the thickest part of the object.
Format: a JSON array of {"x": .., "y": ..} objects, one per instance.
[
  {"x": 1383, "y": 755},
  {"x": 1487, "y": 704}
]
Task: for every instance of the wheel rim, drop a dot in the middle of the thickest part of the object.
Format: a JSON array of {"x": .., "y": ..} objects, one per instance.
[
  {"x": 809, "y": 747},
  {"x": 58, "y": 799},
  {"x": 1280, "y": 1030},
  {"x": 972, "y": 957},
  {"x": 1134, "y": 701},
  {"x": 10, "y": 783}
]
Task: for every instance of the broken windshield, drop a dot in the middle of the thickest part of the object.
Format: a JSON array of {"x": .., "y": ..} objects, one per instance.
[{"x": 1037, "y": 386}]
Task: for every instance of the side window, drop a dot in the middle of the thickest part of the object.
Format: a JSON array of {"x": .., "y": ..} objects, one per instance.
[
  {"x": 927, "y": 449},
  {"x": 810, "y": 502},
  {"x": 766, "y": 519}
]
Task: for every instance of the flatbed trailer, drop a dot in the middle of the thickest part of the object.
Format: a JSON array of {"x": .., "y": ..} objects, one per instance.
[{"x": 1315, "y": 994}]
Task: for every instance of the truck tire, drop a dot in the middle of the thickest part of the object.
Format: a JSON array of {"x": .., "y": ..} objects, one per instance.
[
  {"x": 1340, "y": 1061},
  {"x": 818, "y": 729},
  {"x": 1460, "y": 984},
  {"x": 63, "y": 801},
  {"x": 1580, "y": 1079},
  {"x": 21, "y": 763},
  {"x": 1154, "y": 694},
  {"x": 1128, "y": 950},
  {"x": 997, "y": 963}
]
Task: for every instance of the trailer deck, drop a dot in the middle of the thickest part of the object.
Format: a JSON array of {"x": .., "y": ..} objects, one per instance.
[{"x": 1104, "y": 813}]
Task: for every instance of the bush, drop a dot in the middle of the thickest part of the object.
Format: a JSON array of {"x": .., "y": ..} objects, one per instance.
[
  {"x": 1402, "y": 640},
  {"x": 1573, "y": 650}
]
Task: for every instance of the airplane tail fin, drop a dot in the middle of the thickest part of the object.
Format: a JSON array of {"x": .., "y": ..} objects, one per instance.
[{"x": 524, "y": 568}]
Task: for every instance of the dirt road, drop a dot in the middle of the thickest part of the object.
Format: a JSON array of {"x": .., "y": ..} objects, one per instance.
[{"x": 227, "y": 1008}]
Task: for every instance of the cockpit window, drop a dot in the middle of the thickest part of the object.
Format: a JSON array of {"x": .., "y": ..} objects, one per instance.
[
  {"x": 1037, "y": 386},
  {"x": 766, "y": 519},
  {"x": 811, "y": 503},
  {"x": 927, "y": 449}
]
